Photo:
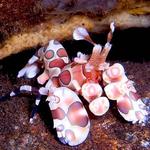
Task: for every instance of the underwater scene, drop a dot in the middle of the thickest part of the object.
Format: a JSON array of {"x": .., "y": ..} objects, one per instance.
[{"x": 74, "y": 74}]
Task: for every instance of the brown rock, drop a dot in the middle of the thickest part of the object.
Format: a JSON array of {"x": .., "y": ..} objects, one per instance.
[{"x": 28, "y": 23}]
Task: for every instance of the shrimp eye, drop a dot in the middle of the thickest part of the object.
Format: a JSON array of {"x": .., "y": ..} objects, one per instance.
[
  {"x": 49, "y": 54},
  {"x": 62, "y": 52}
]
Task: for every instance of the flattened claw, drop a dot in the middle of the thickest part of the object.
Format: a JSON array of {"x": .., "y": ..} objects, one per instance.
[
  {"x": 131, "y": 109},
  {"x": 70, "y": 117},
  {"x": 113, "y": 91},
  {"x": 91, "y": 91},
  {"x": 114, "y": 73},
  {"x": 124, "y": 104},
  {"x": 99, "y": 106}
]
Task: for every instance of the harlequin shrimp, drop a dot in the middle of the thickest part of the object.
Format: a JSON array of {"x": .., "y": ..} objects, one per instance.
[{"x": 91, "y": 77}]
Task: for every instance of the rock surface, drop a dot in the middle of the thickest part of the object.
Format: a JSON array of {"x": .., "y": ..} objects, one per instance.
[{"x": 28, "y": 23}]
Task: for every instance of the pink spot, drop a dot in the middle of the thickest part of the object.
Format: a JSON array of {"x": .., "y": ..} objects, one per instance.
[
  {"x": 76, "y": 116},
  {"x": 59, "y": 63},
  {"x": 134, "y": 95},
  {"x": 115, "y": 72},
  {"x": 58, "y": 114},
  {"x": 124, "y": 104},
  {"x": 49, "y": 54},
  {"x": 62, "y": 52},
  {"x": 115, "y": 91},
  {"x": 112, "y": 92},
  {"x": 90, "y": 91},
  {"x": 65, "y": 77},
  {"x": 139, "y": 115},
  {"x": 70, "y": 135}
]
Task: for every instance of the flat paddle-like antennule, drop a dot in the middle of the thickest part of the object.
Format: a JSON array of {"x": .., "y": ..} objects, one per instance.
[{"x": 81, "y": 33}]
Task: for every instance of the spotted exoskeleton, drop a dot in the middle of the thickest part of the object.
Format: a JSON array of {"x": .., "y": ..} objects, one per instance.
[{"x": 89, "y": 76}]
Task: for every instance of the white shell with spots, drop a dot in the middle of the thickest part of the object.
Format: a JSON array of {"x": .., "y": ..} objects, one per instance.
[
  {"x": 130, "y": 107},
  {"x": 67, "y": 131},
  {"x": 54, "y": 46}
]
